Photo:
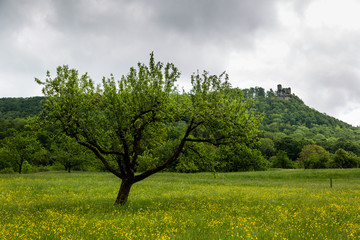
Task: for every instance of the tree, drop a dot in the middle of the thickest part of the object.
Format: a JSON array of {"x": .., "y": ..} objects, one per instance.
[
  {"x": 120, "y": 121},
  {"x": 313, "y": 156},
  {"x": 68, "y": 153},
  {"x": 290, "y": 146},
  {"x": 238, "y": 157},
  {"x": 281, "y": 160},
  {"x": 344, "y": 159},
  {"x": 4, "y": 158},
  {"x": 267, "y": 147},
  {"x": 20, "y": 148}
]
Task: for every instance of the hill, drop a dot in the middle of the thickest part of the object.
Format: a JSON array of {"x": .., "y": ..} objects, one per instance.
[
  {"x": 289, "y": 116},
  {"x": 11, "y": 108}
]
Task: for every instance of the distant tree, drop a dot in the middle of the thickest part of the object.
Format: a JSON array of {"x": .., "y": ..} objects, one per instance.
[
  {"x": 313, "y": 156},
  {"x": 121, "y": 121},
  {"x": 281, "y": 160},
  {"x": 291, "y": 146},
  {"x": 270, "y": 93},
  {"x": 4, "y": 158},
  {"x": 267, "y": 147},
  {"x": 260, "y": 92},
  {"x": 346, "y": 145},
  {"x": 20, "y": 148},
  {"x": 69, "y": 153},
  {"x": 344, "y": 159},
  {"x": 238, "y": 157}
]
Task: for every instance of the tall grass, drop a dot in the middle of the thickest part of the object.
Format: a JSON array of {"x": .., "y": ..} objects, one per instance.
[{"x": 291, "y": 204}]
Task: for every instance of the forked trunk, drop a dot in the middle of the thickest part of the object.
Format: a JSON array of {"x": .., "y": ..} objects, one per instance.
[{"x": 124, "y": 191}]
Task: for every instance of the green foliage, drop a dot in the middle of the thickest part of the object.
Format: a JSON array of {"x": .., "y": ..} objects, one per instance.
[
  {"x": 199, "y": 157},
  {"x": 12, "y": 108},
  {"x": 267, "y": 147},
  {"x": 4, "y": 158},
  {"x": 9, "y": 126},
  {"x": 313, "y": 156},
  {"x": 186, "y": 165},
  {"x": 345, "y": 144},
  {"x": 69, "y": 153},
  {"x": 56, "y": 166},
  {"x": 7, "y": 170},
  {"x": 293, "y": 118},
  {"x": 147, "y": 161},
  {"x": 344, "y": 159},
  {"x": 281, "y": 160},
  {"x": 291, "y": 146},
  {"x": 240, "y": 158},
  {"x": 26, "y": 167},
  {"x": 20, "y": 148},
  {"x": 285, "y": 123},
  {"x": 119, "y": 121}
]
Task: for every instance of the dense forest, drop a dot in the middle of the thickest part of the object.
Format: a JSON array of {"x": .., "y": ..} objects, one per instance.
[{"x": 292, "y": 135}]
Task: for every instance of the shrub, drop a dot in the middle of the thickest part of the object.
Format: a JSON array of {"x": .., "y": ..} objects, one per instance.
[
  {"x": 186, "y": 165},
  {"x": 26, "y": 167},
  {"x": 8, "y": 170},
  {"x": 41, "y": 169},
  {"x": 57, "y": 167}
]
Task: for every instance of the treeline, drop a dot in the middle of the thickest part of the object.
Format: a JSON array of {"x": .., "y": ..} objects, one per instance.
[
  {"x": 12, "y": 108},
  {"x": 292, "y": 136}
]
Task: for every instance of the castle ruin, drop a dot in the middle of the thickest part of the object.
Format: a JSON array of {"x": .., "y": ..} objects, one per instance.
[{"x": 284, "y": 93}]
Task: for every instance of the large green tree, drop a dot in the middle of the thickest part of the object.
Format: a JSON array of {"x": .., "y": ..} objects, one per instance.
[{"x": 119, "y": 121}]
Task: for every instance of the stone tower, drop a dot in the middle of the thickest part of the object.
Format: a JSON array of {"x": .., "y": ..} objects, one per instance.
[{"x": 284, "y": 93}]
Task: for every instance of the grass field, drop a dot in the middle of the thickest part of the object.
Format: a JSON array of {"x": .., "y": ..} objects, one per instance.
[{"x": 282, "y": 204}]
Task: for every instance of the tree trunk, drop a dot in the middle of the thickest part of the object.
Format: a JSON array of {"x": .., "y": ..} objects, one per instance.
[
  {"x": 124, "y": 191},
  {"x": 20, "y": 166}
]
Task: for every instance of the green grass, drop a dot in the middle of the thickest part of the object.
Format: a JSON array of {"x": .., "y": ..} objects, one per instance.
[{"x": 280, "y": 204}]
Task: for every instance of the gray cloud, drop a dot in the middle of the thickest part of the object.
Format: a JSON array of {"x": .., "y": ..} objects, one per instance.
[{"x": 328, "y": 67}]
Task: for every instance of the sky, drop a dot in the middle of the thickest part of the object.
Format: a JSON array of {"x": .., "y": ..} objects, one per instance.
[{"x": 311, "y": 46}]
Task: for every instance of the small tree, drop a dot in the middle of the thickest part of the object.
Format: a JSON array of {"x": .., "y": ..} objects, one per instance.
[
  {"x": 120, "y": 121},
  {"x": 20, "y": 148},
  {"x": 69, "y": 153}
]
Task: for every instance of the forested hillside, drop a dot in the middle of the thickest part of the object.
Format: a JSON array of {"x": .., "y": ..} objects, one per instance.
[
  {"x": 11, "y": 108},
  {"x": 15, "y": 111},
  {"x": 293, "y": 118},
  {"x": 292, "y": 135}
]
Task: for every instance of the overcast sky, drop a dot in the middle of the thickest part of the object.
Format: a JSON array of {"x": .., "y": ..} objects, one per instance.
[{"x": 312, "y": 46}]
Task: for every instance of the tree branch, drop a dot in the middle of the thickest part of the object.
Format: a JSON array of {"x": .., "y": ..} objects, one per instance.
[
  {"x": 101, "y": 150},
  {"x": 98, "y": 155},
  {"x": 172, "y": 159}
]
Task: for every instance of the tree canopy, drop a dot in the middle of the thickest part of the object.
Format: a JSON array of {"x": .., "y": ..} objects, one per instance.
[{"x": 121, "y": 121}]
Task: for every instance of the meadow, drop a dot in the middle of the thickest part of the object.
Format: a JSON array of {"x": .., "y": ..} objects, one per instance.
[{"x": 281, "y": 204}]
